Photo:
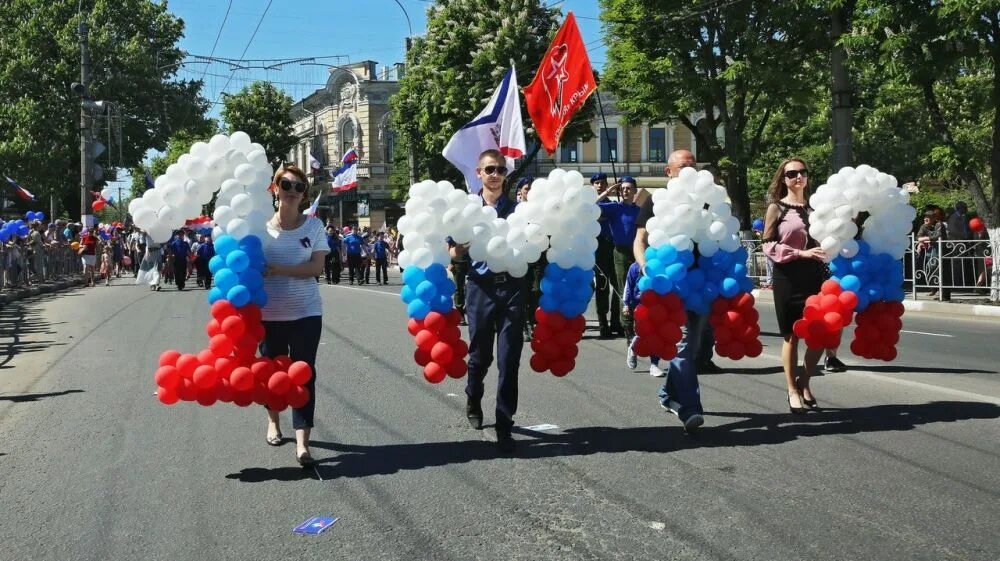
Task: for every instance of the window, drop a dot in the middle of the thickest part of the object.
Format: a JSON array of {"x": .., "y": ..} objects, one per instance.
[
  {"x": 568, "y": 153},
  {"x": 609, "y": 145},
  {"x": 657, "y": 145},
  {"x": 346, "y": 137},
  {"x": 390, "y": 145}
]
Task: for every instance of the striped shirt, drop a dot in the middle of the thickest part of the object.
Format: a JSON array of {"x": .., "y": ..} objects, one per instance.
[{"x": 290, "y": 298}]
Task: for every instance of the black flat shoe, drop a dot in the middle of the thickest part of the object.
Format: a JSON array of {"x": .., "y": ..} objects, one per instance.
[
  {"x": 305, "y": 460},
  {"x": 275, "y": 440}
]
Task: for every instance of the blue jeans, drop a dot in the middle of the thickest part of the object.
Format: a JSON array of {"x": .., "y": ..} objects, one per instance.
[
  {"x": 682, "y": 378},
  {"x": 495, "y": 314}
]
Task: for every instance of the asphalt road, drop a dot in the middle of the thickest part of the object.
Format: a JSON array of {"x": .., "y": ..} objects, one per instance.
[{"x": 902, "y": 463}]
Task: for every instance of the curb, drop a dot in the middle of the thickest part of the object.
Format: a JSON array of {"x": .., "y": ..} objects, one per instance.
[
  {"x": 968, "y": 310},
  {"x": 28, "y": 292}
]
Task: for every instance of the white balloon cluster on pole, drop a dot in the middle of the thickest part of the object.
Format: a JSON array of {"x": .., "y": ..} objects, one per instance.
[
  {"x": 433, "y": 212},
  {"x": 693, "y": 210},
  {"x": 850, "y": 192},
  {"x": 562, "y": 215},
  {"x": 232, "y": 166}
]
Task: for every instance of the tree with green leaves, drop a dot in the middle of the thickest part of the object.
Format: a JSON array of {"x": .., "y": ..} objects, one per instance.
[
  {"x": 265, "y": 113},
  {"x": 134, "y": 54},
  {"x": 947, "y": 53},
  {"x": 452, "y": 71},
  {"x": 722, "y": 69}
]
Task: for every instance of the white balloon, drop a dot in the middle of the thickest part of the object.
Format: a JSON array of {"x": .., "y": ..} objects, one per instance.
[
  {"x": 240, "y": 140},
  {"x": 217, "y": 232},
  {"x": 224, "y": 215},
  {"x": 107, "y": 194},
  {"x": 219, "y": 144},
  {"x": 245, "y": 174},
  {"x": 154, "y": 198},
  {"x": 238, "y": 228},
  {"x": 242, "y": 204}
]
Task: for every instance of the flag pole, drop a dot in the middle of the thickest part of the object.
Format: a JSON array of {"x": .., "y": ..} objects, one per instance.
[{"x": 600, "y": 105}]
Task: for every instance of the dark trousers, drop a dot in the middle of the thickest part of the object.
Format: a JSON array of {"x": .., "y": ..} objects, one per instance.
[
  {"x": 495, "y": 312},
  {"x": 204, "y": 274},
  {"x": 354, "y": 266},
  {"x": 382, "y": 270},
  {"x": 180, "y": 271},
  {"x": 332, "y": 267},
  {"x": 604, "y": 279},
  {"x": 299, "y": 339},
  {"x": 459, "y": 269}
]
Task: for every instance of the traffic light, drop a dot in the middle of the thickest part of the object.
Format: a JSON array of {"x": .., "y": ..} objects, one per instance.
[{"x": 96, "y": 169}]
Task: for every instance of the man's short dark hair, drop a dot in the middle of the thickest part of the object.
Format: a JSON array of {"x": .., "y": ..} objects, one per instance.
[{"x": 493, "y": 153}]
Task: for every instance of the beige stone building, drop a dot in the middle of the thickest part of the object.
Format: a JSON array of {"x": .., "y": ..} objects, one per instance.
[
  {"x": 637, "y": 150},
  {"x": 352, "y": 111}
]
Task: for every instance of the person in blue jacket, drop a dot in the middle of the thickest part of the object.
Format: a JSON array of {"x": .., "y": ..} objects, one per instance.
[
  {"x": 352, "y": 246},
  {"x": 332, "y": 266},
  {"x": 381, "y": 250},
  {"x": 631, "y": 297},
  {"x": 205, "y": 253}
]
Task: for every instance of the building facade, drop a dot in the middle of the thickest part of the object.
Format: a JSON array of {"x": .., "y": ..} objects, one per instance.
[
  {"x": 351, "y": 111},
  {"x": 637, "y": 150}
]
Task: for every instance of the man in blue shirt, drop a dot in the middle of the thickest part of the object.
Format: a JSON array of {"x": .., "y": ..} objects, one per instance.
[
  {"x": 332, "y": 265},
  {"x": 381, "y": 250},
  {"x": 495, "y": 310},
  {"x": 180, "y": 249},
  {"x": 205, "y": 253},
  {"x": 352, "y": 245},
  {"x": 604, "y": 278},
  {"x": 619, "y": 217}
]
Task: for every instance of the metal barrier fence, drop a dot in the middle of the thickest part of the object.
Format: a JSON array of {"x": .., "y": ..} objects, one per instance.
[
  {"x": 19, "y": 269},
  {"x": 937, "y": 269}
]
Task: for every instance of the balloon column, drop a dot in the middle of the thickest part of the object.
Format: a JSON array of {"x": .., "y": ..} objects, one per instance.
[
  {"x": 869, "y": 269},
  {"x": 693, "y": 210},
  {"x": 234, "y": 170}
]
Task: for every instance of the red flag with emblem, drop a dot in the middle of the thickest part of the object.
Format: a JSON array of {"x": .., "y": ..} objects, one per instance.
[{"x": 561, "y": 86}]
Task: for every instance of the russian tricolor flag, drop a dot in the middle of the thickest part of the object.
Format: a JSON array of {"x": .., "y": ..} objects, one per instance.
[
  {"x": 346, "y": 178},
  {"x": 21, "y": 191}
]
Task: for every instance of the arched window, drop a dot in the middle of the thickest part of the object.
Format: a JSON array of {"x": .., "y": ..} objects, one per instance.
[{"x": 346, "y": 137}]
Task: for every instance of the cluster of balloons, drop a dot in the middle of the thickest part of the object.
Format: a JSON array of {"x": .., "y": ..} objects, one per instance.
[
  {"x": 872, "y": 277},
  {"x": 229, "y": 370},
  {"x": 102, "y": 199},
  {"x": 850, "y": 192},
  {"x": 426, "y": 290},
  {"x": 238, "y": 272},
  {"x": 435, "y": 212},
  {"x": 232, "y": 166},
  {"x": 693, "y": 210},
  {"x": 440, "y": 348},
  {"x": 559, "y": 318},
  {"x": 561, "y": 216},
  {"x": 31, "y": 216},
  {"x": 737, "y": 331},
  {"x": 878, "y": 331},
  {"x": 555, "y": 344},
  {"x": 825, "y": 316},
  {"x": 658, "y": 322},
  {"x": 13, "y": 229}
]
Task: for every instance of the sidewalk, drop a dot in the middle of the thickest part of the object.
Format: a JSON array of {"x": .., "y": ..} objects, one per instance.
[
  {"x": 14, "y": 294},
  {"x": 926, "y": 306}
]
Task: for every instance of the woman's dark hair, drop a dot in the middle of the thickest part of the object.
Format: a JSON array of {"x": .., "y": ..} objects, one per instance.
[{"x": 777, "y": 190}]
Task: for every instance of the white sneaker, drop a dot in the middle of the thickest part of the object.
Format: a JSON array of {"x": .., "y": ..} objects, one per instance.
[
  {"x": 630, "y": 359},
  {"x": 655, "y": 371}
]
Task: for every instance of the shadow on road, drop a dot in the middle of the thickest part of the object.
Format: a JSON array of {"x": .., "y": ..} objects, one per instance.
[
  {"x": 35, "y": 396},
  {"x": 896, "y": 368},
  {"x": 18, "y": 321},
  {"x": 753, "y": 429}
]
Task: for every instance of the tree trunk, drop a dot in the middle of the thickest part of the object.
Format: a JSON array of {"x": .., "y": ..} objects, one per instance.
[
  {"x": 842, "y": 115},
  {"x": 739, "y": 195},
  {"x": 994, "y": 253}
]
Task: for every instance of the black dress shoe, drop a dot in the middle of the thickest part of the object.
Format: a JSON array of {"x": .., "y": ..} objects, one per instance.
[
  {"x": 474, "y": 413},
  {"x": 605, "y": 332},
  {"x": 505, "y": 442}
]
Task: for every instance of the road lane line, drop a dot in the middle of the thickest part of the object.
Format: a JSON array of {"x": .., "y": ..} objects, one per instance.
[
  {"x": 930, "y": 334},
  {"x": 395, "y": 294}
]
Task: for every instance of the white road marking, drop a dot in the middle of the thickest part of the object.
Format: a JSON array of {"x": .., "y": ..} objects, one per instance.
[
  {"x": 453, "y": 395},
  {"x": 393, "y": 294},
  {"x": 541, "y": 428},
  {"x": 930, "y": 334},
  {"x": 657, "y": 525}
]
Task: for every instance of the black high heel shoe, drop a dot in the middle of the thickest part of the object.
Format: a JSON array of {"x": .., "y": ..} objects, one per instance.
[{"x": 796, "y": 410}]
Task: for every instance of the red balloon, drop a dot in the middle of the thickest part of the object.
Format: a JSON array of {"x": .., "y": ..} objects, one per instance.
[
  {"x": 649, "y": 298},
  {"x": 642, "y": 313},
  {"x": 222, "y": 309},
  {"x": 262, "y": 370},
  {"x": 558, "y": 322},
  {"x": 461, "y": 349},
  {"x": 205, "y": 377},
  {"x": 434, "y": 373},
  {"x": 754, "y": 348},
  {"x": 206, "y": 356},
  {"x": 221, "y": 345},
  {"x": 186, "y": 365},
  {"x": 454, "y": 317},
  {"x": 678, "y": 316},
  {"x": 167, "y": 377},
  {"x": 567, "y": 337},
  {"x": 242, "y": 380},
  {"x": 658, "y": 314},
  {"x": 256, "y": 332},
  {"x": 414, "y": 326},
  {"x": 98, "y": 205},
  {"x": 297, "y": 397},
  {"x": 977, "y": 225},
  {"x": 167, "y": 396},
  {"x": 737, "y": 350},
  {"x": 224, "y": 367},
  {"x": 282, "y": 362},
  {"x": 848, "y": 299},
  {"x": 260, "y": 394},
  {"x": 279, "y": 383},
  {"x": 435, "y": 322},
  {"x": 456, "y": 368},
  {"x": 745, "y": 301},
  {"x": 834, "y": 322},
  {"x": 243, "y": 398},
  {"x": 829, "y": 303},
  {"x": 250, "y": 313},
  {"x": 543, "y": 332},
  {"x": 169, "y": 358},
  {"x": 206, "y": 396},
  {"x": 186, "y": 390},
  {"x": 450, "y": 334},
  {"x": 421, "y": 357},
  {"x": 442, "y": 353},
  {"x": 300, "y": 373},
  {"x": 670, "y": 333},
  {"x": 720, "y": 306},
  {"x": 813, "y": 313},
  {"x": 539, "y": 363},
  {"x": 723, "y": 335},
  {"x": 234, "y": 327},
  {"x": 641, "y": 347},
  {"x": 213, "y": 328},
  {"x": 831, "y": 287},
  {"x": 426, "y": 340},
  {"x": 562, "y": 367},
  {"x": 276, "y": 402},
  {"x": 224, "y": 390}
]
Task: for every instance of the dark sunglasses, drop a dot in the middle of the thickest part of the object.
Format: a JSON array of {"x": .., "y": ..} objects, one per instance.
[
  {"x": 793, "y": 173},
  {"x": 287, "y": 185},
  {"x": 491, "y": 170}
]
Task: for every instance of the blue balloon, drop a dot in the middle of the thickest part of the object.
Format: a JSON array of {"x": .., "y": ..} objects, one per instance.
[
  {"x": 436, "y": 273},
  {"x": 226, "y": 279},
  {"x": 645, "y": 284},
  {"x": 446, "y": 287},
  {"x": 418, "y": 309},
  {"x": 667, "y": 253},
  {"x": 851, "y": 283},
  {"x": 215, "y": 294},
  {"x": 40, "y": 216},
  {"x": 730, "y": 287},
  {"x": 237, "y": 260},
  {"x": 442, "y": 304},
  {"x": 662, "y": 284},
  {"x": 406, "y": 294},
  {"x": 238, "y": 296},
  {"x": 4, "y": 236},
  {"x": 225, "y": 244},
  {"x": 711, "y": 292},
  {"x": 547, "y": 285},
  {"x": 758, "y": 225},
  {"x": 654, "y": 266},
  {"x": 250, "y": 244},
  {"x": 676, "y": 272},
  {"x": 23, "y": 231},
  {"x": 695, "y": 279},
  {"x": 216, "y": 264},
  {"x": 260, "y": 298},
  {"x": 548, "y": 302},
  {"x": 686, "y": 258},
  {"x": 426, "y": 291},
  {"x": 651, "y": 253},
  {"x": 413, "y": 276},
  {"x": 252, "y": 279}
]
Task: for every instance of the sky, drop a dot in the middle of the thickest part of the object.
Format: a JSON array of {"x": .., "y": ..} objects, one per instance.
[{"x": 354, "y": 29}]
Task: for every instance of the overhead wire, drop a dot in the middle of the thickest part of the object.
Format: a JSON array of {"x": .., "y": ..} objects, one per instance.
[
  {"x": 245, "y": 49},
  {"x": 219, "y": 34}
]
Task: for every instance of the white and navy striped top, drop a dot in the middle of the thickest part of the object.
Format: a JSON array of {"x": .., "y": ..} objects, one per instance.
[{"x": 290, "y": 298}]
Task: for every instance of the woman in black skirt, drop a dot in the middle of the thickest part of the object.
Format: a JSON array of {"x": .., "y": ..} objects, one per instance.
[{"x": 798, "y": 271}]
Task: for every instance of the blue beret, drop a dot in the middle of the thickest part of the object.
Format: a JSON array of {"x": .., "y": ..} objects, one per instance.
[
  {"x": 526, "y": 180},
  {"x": 630, "y": 179},
  {"x": 599, "y": 176}
]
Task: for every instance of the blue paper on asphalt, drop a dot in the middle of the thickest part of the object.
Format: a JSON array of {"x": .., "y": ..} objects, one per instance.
[{"x": 315, "y": 525}]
